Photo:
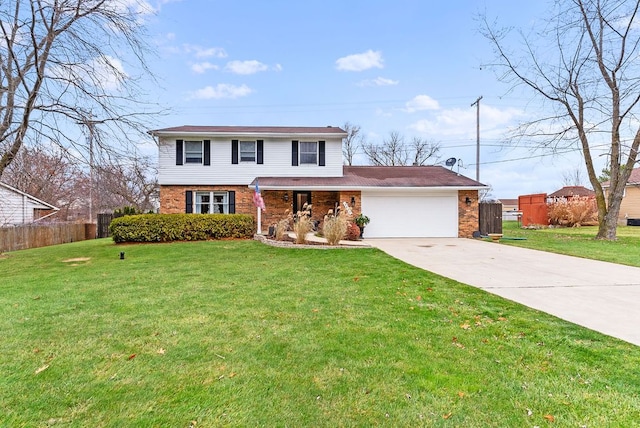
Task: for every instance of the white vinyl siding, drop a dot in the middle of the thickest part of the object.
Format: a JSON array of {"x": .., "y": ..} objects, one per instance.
[
  {"x": 277, "y": 163},
  {"x": 17, "y": 208},
  {"x": 409, "y": 214}
]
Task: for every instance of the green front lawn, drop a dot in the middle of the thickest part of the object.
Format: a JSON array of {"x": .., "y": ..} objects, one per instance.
[
  {"x": 236, "y": 333},
  {"x": 579, "y": 241}
]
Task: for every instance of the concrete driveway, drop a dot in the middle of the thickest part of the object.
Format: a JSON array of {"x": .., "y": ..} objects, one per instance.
[{"x": 601, "y": 296}]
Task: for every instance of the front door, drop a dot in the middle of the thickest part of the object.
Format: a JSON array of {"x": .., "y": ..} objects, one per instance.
[{"x": 299, "y": 199}]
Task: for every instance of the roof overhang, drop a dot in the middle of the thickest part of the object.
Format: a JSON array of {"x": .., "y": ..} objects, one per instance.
[
  {"x": 43, "y": 205},
  {"x": 251, "y": 132},
  {"x": 330, "y": 188}
]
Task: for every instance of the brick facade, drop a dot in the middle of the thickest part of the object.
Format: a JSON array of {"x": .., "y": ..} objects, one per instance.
[
  {"x": 468, "y": 214},
  {"x": 172, "y": 201}
]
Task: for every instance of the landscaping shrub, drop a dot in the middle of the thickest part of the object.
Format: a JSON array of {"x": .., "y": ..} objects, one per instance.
[
  {"x": 573, "y": 212},
  {"x": 336, "y": 224},
  {"x": 353, "y": 232},
  {"x": 302, "y": 224},
  {"x": 282, "y": 226},
  {"x": 181, "y": 227}
]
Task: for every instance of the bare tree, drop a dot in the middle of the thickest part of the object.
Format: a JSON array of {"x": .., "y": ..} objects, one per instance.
[
  {"x": 351, "y": 143},
  {"x": 133, "y": 184},
  {"x": 394, "y": 152},
  {"x": 62, "y": 65},
  {"x": 583, "y": 64},
  {"x": 424, "y": 150},
  {"x": 573, "y": 178},
  {"x": 49, "y": 175}
]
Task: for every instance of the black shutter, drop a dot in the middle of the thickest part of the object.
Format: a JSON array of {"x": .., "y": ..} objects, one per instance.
[
  {"x": 294, "y": 153},
  {"x": 188, "y": 195},
  {"x": 207, "y": 152},
  {"x": 321, "y": 161},
  {"x": 178, "y": 152},
  {"x": 232, "y": 202},
  {"x": 260, "y": 152},
  {"x": 234, "y": 151}
]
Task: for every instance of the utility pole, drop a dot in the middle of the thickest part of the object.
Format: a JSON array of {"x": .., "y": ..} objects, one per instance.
[
  {"x": 477, "y": 104},
  {"x": 90, "y": 124}
]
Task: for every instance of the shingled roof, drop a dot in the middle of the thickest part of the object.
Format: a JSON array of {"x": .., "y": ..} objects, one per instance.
[
  {"x": 250, "y": 130},
  {"x": 376, "y": 176},
  {"x": 571, "y": 191}
]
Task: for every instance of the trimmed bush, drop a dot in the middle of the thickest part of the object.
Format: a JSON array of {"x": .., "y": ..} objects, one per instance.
[{"x": 181, "y": 227}]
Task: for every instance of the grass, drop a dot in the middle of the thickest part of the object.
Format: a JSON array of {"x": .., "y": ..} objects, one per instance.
[
  {"x": 236, "y": 333},
  {"x": 579, "y": 241}
]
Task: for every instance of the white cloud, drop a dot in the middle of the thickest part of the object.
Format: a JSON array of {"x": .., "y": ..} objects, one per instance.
[
  {"x": 135, "y": 6},
  {"x": 494, "y": 122},
  {"x": 201, "y": 67},
  {"x": 105, "y": 72},
  {"x": 110, "y": 71},
  {"x": 201, "y": 52},
  {"x": 360, "y": 62},
  {"x": 221, "y": 90},
  {"x": 245, "y": 67},
  {"x": 209, "y": 52},
  {"x": 379, "y": 81},
  {"x": 421, "y": 102},
  {"x": 277, "y": 67}
]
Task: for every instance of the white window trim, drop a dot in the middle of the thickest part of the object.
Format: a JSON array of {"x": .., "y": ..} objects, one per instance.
[
  {"x": 186, "y": 144},
  {"x": 197, "y": 209}
]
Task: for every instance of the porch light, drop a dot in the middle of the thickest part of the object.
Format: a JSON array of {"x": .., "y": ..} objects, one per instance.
[
  {"x": 353, "y": 201},
  {"x": 467, "y": 200},
  {"x": 285, "y": 197}
]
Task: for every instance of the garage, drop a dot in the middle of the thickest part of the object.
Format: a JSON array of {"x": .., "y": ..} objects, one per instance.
[{"x": 404, "y": 214}]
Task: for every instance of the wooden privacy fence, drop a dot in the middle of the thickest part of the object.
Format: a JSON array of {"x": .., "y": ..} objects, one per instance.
[
  {"x": 534, "y": 209},
  {"x": 104, "y": 220},
  {"x": 490, "y": 217},
  {"x": 41, "y": 235}
]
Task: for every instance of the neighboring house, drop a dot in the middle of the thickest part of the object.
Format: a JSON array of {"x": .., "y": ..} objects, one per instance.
[
  {"x": 569, "y": 192},
  {"x": 630, "y": 205},
  {"x": 17, "y": 207},
  {"x": 215, "y": 169},
  {"x": 510, "y": 209}
]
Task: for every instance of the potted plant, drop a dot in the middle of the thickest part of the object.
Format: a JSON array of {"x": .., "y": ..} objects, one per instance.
[{"x": 361, "y": 220}]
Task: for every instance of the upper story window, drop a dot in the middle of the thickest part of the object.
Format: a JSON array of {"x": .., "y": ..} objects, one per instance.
[
  {"x": 308, "y": 153},
  {"x": 193, "y": 151},
  {"x": 247, "y": 151}
]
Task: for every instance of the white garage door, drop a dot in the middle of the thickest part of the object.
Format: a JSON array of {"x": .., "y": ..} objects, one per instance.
[{"x": 411, "y": 214}]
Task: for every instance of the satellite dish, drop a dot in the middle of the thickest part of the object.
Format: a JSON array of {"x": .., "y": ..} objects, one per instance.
[{"x": 450, "y": 162}]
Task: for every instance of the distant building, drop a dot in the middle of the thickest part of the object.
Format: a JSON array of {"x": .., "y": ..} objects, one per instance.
[{"x": 17, "y": 207}]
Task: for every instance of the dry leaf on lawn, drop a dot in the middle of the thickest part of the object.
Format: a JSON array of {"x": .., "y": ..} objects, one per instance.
[{"x": 43, "y": 368}]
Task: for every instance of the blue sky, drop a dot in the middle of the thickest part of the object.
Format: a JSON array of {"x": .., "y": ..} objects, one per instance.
[{"x": 413, "y": 67}]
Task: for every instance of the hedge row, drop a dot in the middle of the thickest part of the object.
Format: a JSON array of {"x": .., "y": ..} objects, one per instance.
[{"x": 181, "y": 227}]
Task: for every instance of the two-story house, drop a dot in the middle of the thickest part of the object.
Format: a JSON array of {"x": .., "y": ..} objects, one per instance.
[{"x": 215, "y": 169}]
